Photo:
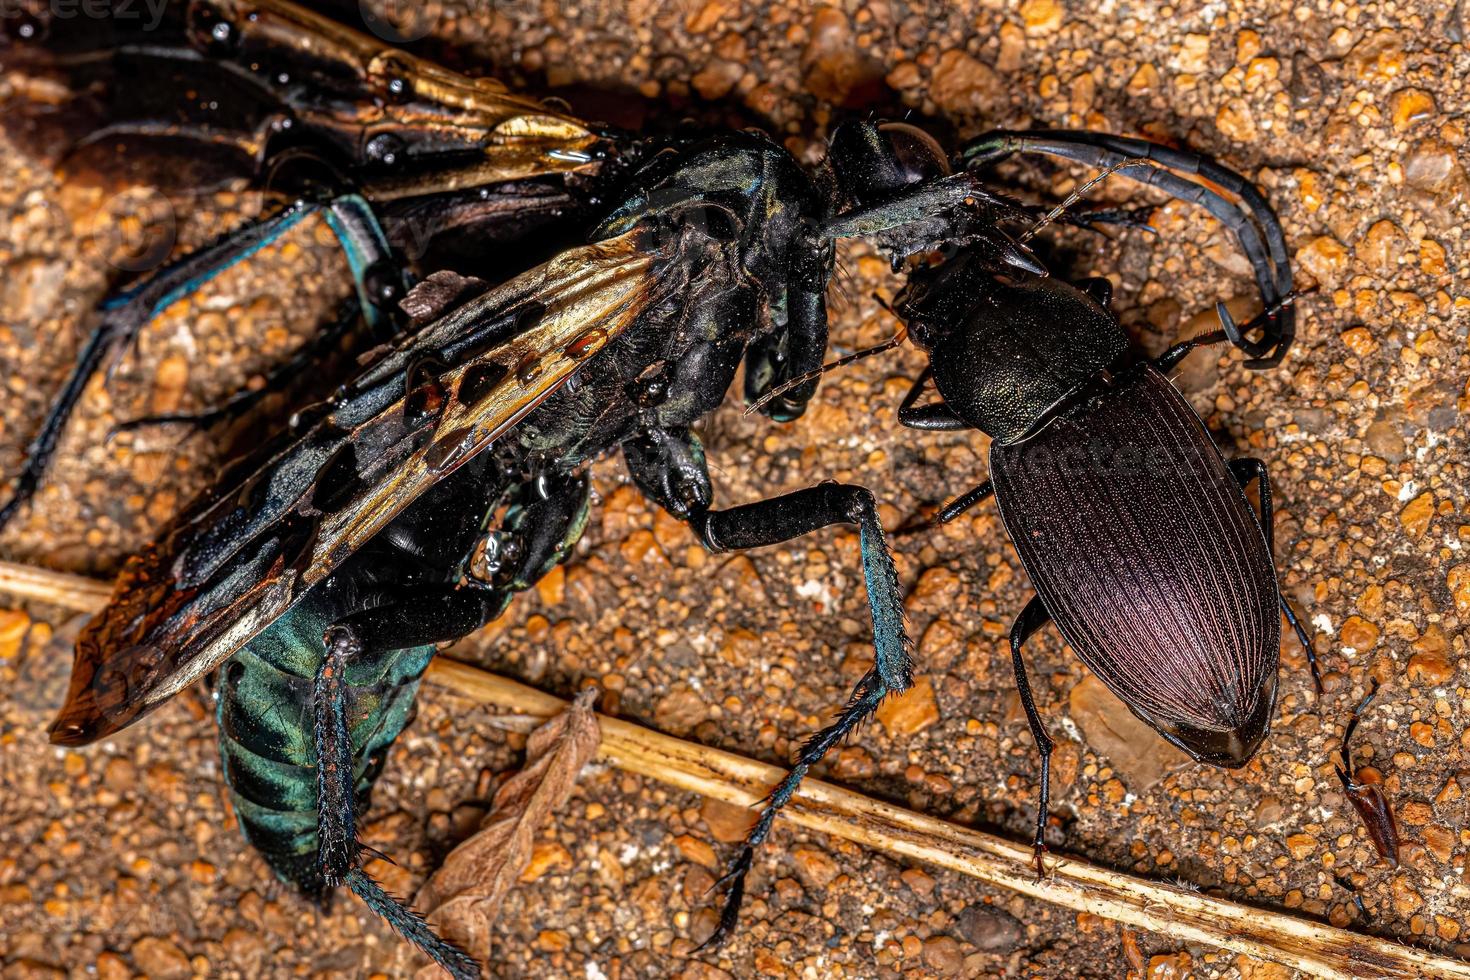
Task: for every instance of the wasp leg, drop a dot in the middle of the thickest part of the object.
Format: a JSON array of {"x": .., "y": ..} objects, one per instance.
[
  {"x": 350, "y": 219},
  {"x": 417, "y": 618},
  {"x": 1245, "y": 470},
  {"x": 668, "y": 465},
  {"x": 277, "y": 379},
  {"x": 799, "y": 348},
  {"x": 1251, "y": 219},
  {"x": 1031, "y": 619},
  {"x": 781, "y": 519}
]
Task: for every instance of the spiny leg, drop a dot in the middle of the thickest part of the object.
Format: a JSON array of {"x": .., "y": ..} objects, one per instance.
[
  {"x": 669, "y": 466},
  {"x": 1254, "y": 223},
  {"x": 350, "y": 219},
  {"x": 1031, "y": 619},
  {"x": 417, "y": 618},
  {"x": 781, "y": 519},
  {"x": 1245, "y": 470},
  {"x": 866, "y": 696}
]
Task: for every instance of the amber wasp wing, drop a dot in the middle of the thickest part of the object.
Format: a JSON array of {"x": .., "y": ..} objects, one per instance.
[{"x": 243, "y": 556}]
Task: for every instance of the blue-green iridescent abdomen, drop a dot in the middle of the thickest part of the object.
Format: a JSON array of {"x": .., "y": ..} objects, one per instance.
[{"x": 266, "y": 733}]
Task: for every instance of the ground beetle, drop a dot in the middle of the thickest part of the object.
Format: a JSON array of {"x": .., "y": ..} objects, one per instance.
[{"x": 1136, "y": 533}]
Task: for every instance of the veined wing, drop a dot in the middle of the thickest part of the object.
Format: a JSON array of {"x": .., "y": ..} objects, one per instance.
[{"x": 230, "y": 567}]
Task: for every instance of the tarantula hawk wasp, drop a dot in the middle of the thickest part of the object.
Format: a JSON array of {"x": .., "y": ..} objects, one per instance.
[{"x": 320, "y": 575}]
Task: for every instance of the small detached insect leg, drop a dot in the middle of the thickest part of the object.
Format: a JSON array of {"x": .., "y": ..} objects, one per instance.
[{"x": 1368, "y": 798}]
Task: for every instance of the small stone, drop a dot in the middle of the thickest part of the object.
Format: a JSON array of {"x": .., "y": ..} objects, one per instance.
[
  {"x": 1041, "y": 17},
  {"x": 813, "y": 867},
  {"x": 727, "y": 822},
  {"x": 1360, "y": 341},
  {"x": 1384, "y": 438},
  {"x": 1254, "y": 969},
  {"x": 989, "y": 929},
  {"x": 1416, "y": 516},
  {"x": 1171, "y": 966},
  {"x": 918, "y": 881},
  {"x": 1301, "y": 846},
  {"x": 13, "y": 627},
  {"x": 1383, "y": 247},
  {"x": 1359, "y": 635},
  {"x": 1323, "y": 258},
  {"x": 161, "y": 958},
  {"x": 679, "y": 711},
  {"x": 1144, "y": 80},
  {"x": 1012, "y": 45},
  {"x": 717, "y": 79},
  {"x": 1440, "y": 841},
  {"x": 711, "y": 15},
  {"x": 110, "y": 966},
  {"x": 697, "y": 850},
  {"x": 961, "y": 85},
  {"x": 1458, "y": 581},
  {"x": 1406, "y": 901},
  {"x": 835, "y": 66},
  {"x": 245, "y": 949},
  {"x": 1415, "y": 813},
  {"x": 553, "y": 941},
  {"x": 1194, "y": 54},
  {"x": 1235, "y": 121},
  {"x": 1430, "y": 669},
  {"x": 546, "y": 856},
  {"x": 1409, "y": 106},
  {"x": 552, "y": 588},
  {"x": 1112, "y": 731},
  {"x": 912, "y": 711},
  {"x": 942, "y": 955}
]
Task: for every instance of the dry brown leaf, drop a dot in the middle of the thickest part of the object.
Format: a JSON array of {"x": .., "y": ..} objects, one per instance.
[{"x": 463, "y": 897}]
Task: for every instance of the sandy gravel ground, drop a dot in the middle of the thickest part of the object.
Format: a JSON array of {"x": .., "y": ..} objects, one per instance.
[{"x": 123, "y": 860}]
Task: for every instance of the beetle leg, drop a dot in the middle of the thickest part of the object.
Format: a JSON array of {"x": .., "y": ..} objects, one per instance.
[
  {"x": 1245, "y": 470},
  {"x": 934, "y": 416},
  {"x": 964, "y": 502},
  {"x": 1253, "y": 222},
  {"x": 1031, "y": 619},
  {"x": 350, "y": 219}
]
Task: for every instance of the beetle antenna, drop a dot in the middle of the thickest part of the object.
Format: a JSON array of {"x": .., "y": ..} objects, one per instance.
[
  {"x": 1076, "y": 195},
  {"x": 895, "y": 341}
]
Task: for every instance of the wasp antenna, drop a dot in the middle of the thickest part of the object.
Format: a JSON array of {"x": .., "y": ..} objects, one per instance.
[{"x": 1077, "y": 195}]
